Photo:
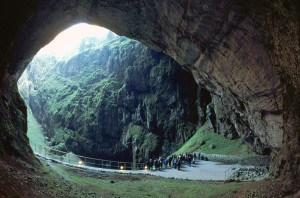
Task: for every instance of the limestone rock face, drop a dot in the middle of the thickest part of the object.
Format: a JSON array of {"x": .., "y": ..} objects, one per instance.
[
  {"x": 118, "y": 101},
  {"x": 13, "y": 123},
  {"x": 238, "y": 52},
  {"x": 225, "y": 50},
  {"x": 283, "y": 22}
]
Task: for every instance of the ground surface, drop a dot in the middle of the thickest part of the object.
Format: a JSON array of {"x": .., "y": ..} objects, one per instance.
[
  {"x": 56, "y": 180},
  {"x": 200, "y": 170}
]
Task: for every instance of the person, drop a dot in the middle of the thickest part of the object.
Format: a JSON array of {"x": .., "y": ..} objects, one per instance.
[
  {"x": 194, "y": 158},
  {"x": 166, "y": 161},
  {"x": 156, "y": 164},
  {"x": 189, "y": 159},
  {"x": 160, "y": 163},
  {"x": 179, "y": 162},
  {"x": 170, "y": 160},
  {"x": 150, "y": 164},
  {"x": 174, "y": 162}
]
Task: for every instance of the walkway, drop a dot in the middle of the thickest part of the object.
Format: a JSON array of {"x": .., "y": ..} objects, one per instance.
[{"x": 201, "y": 170}]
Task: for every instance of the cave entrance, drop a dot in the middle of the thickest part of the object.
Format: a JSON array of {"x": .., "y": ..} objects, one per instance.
[
  {"x": 42, "y": 130},
  {"x": 245, "y": 51},
  {"x": 106, "y": 96}
]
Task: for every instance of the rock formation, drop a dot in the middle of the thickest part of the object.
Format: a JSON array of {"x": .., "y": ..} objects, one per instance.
[
  {"x": 119, "y": 101},
  {"x": 247, "y": 54}
]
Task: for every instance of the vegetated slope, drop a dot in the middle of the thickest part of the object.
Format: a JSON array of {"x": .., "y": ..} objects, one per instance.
[
  {"x": 119, "y": 100},
  {"x": 35, "y": 132},
  {"x": 206, "y": 141}
]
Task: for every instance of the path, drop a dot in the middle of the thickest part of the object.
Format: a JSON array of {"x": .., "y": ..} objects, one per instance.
[{"x": 201, "y": 170}]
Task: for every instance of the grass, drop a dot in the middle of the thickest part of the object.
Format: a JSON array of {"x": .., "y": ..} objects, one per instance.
[
  {"x": 128, "y": 185},
  {"x": 223, "y": 146},
  {"x": 35, "y": 131}
]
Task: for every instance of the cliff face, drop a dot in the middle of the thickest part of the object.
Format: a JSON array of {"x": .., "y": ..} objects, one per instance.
[
  {"x": 119, "y": 101},
  {"x": 237, "y": 50}
]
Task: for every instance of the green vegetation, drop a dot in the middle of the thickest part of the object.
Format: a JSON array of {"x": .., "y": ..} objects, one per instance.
[
  {"x": 147, "y": 140},
  {"x": 70, "y": 93},
  {"x": 204, "y": 138},
  {"x": 35, "y": 132},
  {"x": 135, "y": 131},
  {"x": 87, "y": 102}
]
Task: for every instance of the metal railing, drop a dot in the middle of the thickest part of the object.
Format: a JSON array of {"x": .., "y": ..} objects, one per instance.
[
  {"x": 78, "y": 160},
  {"x": 231, "y": 170}
]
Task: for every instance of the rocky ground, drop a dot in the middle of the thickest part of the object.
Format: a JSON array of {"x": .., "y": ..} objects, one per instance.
[
  {"x": 56, "y": 180},
  {"x": 250, "y": 173}
]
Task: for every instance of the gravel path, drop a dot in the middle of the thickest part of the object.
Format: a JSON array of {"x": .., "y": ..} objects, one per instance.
[{"x": 201, "y": 170}]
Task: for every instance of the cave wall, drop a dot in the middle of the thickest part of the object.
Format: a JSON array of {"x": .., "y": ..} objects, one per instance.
[
  {"x": 283, "y": 20},
  {"x": 226, "y": 51},
  {"x": 239, "y": 55}
]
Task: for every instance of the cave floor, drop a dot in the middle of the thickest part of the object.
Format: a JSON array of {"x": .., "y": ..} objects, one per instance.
[
  {"x": 57, "y": 180},
  {"x": 201, "y": 170}
]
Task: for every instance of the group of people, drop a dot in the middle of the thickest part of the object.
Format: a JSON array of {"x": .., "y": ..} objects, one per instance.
[{"x": 172, "y": 161}]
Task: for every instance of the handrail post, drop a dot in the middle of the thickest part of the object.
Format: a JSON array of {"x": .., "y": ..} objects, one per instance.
[{"x": 63, "y": 156}]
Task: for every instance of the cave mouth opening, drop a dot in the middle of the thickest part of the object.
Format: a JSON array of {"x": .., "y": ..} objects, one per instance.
[
  {"x": 85, "y": 95},
  {"x": 187, "y": 19},
  {"x": 37, "y": 77},
  {"x": 105, "y": 96}
]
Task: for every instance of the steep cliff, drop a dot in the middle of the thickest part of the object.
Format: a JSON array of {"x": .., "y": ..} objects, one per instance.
[{"x": 117, "y": 101}]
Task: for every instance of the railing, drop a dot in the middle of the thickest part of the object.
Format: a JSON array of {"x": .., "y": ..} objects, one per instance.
[
  {"x": 83, "y": 161},
  {"x": 73, "y": 159},
  {"x": 231, "y": 170}
]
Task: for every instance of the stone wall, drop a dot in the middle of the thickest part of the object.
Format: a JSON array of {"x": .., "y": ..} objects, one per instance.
[{"x": 232, "y": 159}]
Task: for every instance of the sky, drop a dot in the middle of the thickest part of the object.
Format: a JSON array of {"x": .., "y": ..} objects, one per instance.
[{"x": 67, "y": 41}]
